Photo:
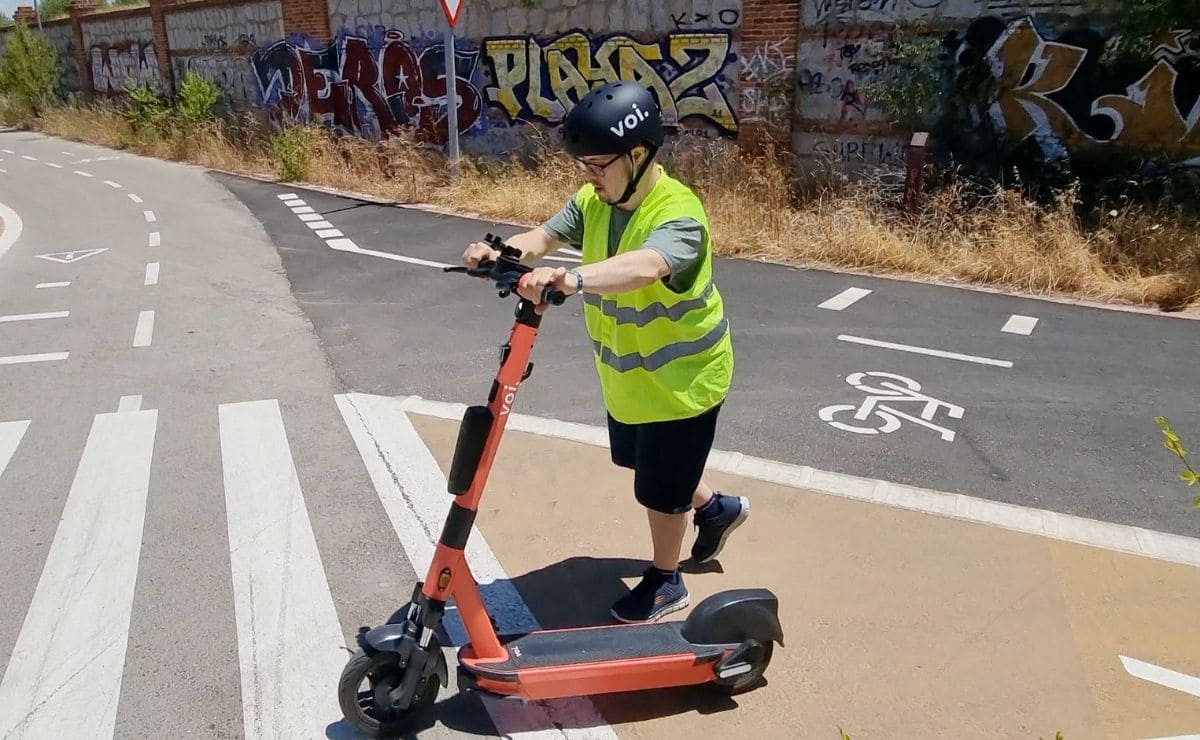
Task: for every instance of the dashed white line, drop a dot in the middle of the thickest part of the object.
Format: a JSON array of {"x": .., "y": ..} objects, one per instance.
[
  {"x": 1018, "y": 324},
  {"x": 7, "y": 151},
  {"x": 34, "y": 316},
  {"x": 346, "y": 245},
  {"x": 134, "y": 198},
  {"x": 52, "y": 164},
  {"x": 81, "y": 173},
  {"x": 155, "y": 239},
  {"x": 310, "y": 217},
  {"x": 152, "y": 274},
  {"x": 114, "y": 185},
  {"x": 144, "y": 333},
  {"x": 31, "y": 159},
  {"x": 149, "y": 216},
  {"x": 327, "y": 233},
  {"x": 129, "y": 403},
  {"x": 288, "y": 196},
  {"x": 924, "y": 351},
  {"x": 314, "y": 225},
  {"x": 4, "y": 171},
  {"x": 572, "y": 260},
  {"x": 302, "y": 209},
  {"x": 67, "y": 153},
  {"x": 845, "y": 299},
  {"x": 44, "y": 357},
  {"x": 53, "y": 285}
]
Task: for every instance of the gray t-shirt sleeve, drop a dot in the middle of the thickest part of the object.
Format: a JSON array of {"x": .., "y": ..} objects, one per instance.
[
  {"x": 680, "y": 242},
  {"x": 567, "y": 225}
]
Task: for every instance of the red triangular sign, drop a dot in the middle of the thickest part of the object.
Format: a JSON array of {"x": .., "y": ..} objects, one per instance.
[{"x": 451, "y": 8}]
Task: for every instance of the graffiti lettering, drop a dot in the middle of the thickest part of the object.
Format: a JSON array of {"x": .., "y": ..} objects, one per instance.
[
  {"x": 115, "y": 67},
  {"x": 367, "y": 86},
  {"x": 543, "y": 82},
  {"x": 824, "y": 9},
  {"x": 725, "y": 16},
  {"x": 232, "y": 75},
  {"x": 1033, "y": 74}
]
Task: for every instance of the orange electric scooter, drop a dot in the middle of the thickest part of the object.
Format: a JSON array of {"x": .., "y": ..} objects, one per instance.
[{"x": 726, "y": 641}]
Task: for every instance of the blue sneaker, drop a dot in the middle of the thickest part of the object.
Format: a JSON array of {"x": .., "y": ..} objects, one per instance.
[
  {"x": 658, "y": 594},
  {"x": 715, "y": 521}
]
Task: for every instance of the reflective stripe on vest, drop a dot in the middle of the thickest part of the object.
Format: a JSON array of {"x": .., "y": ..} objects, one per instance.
[
  {"x": 660, "y": 357},
  {"x": 657, "y": 310}
]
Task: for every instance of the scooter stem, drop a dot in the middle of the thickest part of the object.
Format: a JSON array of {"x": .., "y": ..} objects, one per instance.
[{"x": 448, "y": 576}]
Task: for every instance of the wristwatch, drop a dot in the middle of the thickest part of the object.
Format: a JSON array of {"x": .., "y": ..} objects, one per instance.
[{"x": 578, "y": 280}]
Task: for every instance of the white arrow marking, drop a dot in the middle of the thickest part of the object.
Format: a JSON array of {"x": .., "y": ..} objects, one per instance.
[
  {"x": 1164, "y": 677},
  {"x": 67, "y": 258}
]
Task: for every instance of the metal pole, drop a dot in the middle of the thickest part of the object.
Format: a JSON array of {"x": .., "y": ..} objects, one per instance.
[
  {"x": 38, "y": 11},
  {"x": 451, "y": 100}
]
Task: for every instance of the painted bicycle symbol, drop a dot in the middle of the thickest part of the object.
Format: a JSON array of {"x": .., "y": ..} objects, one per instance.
[{"x": 881, "y": 403}]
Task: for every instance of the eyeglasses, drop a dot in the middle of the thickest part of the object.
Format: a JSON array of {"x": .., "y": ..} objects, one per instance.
[{"x": 597, "y": 169}]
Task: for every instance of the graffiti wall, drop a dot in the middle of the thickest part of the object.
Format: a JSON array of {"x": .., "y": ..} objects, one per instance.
[
  {"x": 1059, "y": 90},
  {"x": 121, "y": 53},
  {"x": 60, "y": 37},
  {"x": 217, "y": 44},
  {"x": 368, "y": 83}
]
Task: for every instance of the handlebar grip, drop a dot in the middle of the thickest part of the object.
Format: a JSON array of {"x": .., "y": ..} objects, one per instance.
[{"x": 554, "y": 296}]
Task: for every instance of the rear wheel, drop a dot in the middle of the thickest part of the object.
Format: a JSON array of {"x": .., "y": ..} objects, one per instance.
[
  {"x": 759, "y": 658},
  {"x": 368, "y": 708}
]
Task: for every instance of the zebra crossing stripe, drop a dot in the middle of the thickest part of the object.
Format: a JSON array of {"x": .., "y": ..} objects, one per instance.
[
  {"x": 290, "y": 644},
  {"x": 64, "y": 677},
  {"x": 11, "y": 433},
  {"x": 412, "y": 489}
]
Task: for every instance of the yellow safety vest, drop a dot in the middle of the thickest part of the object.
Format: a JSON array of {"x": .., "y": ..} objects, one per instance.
[{"x": 661, "y": 355}]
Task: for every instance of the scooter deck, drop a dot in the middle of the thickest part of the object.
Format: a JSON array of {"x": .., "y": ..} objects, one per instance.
[{"x": 553, "y": 648}]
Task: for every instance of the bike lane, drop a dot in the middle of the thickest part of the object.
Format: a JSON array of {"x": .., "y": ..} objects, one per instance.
[{"x": 897, "y": 623}]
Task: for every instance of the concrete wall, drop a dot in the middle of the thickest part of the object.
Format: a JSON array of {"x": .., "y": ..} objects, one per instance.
[
  {"x": 216, "y": 41},
  {"x": 120, "y": 50}
]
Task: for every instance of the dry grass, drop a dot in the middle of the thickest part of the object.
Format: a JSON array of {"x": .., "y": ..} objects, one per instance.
[{"x": 996, "y": 239}]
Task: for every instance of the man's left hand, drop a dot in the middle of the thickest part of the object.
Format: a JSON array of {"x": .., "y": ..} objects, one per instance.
[{"x": 534, "y": 283}]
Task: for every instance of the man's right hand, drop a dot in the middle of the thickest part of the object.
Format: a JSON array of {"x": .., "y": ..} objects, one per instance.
[{"x": 479, "y": 252}]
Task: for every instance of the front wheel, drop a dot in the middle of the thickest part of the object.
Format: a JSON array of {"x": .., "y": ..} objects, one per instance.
[
  {"x": 759, "y": 658},
  {"x": 368, "y": 709}
]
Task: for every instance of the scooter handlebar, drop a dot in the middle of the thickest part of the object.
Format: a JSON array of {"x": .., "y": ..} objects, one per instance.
[{"x": 506, "y": 272}]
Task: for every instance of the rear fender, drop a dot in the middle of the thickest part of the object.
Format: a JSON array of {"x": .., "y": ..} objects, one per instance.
[{"x": 731, "y": 617}]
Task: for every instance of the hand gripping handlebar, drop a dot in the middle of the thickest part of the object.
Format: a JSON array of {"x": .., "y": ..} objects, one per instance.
[{"x": 507, "y": 271}]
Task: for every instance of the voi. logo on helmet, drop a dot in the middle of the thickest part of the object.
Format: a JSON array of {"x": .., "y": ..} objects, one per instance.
[{"x": 630, "y": 122}]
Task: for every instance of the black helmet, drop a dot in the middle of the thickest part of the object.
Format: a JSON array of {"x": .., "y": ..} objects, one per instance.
[{"x": 613, "y": 119}]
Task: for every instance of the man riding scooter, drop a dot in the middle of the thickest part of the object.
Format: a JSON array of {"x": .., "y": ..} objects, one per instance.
[{"x": 662, "y": 343}]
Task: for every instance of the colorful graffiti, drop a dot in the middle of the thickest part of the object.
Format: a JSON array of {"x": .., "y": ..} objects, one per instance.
[
  {"x": 115, "y": 67},
  {"x": 367, "y": 84},
  {"x": 542, "y": 81},
  {"x": 1057, "y": 92}
]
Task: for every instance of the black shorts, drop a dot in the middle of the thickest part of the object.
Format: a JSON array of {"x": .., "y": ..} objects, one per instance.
[{"x": 667, "y": 458}]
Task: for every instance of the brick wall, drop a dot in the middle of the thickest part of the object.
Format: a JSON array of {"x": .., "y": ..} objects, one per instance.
[
  {"x": 767, "y": 47},
  {"x": 307, "y": 17}
]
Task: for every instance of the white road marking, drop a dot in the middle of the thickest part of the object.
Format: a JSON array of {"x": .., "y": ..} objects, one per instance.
[
  {"x": 111, "y": 184},
  {"x": 149, "y": 216},
  {"x": 306, "y": 217},
  {"x": 924, "y": 351},
  {"x": 892, "y": 389},
  {"x": 1162, "y": 676},
  {"x": 144, "y": 333},
  {"x": 302, "y": 209},
  {"x": 11, "y": 433},
  {"x": 129, "y": 403},
  {"x": 1018, "y": 324},
  {"x": 83, "y": 174},
  {"x": 134, "y": 198},
  {"x": 52, "y": 285},
  {"x": 348, "y": 245},
  {"x": 288, "y": 196},
  {"x": 64, "y": 677},
  {"x": 67, "y": 258},
  {"x": 571, "y": 251},
  {"x": 556, "y": 258},
  {"x": 290, "y": 643},
  {"x": 412, "y": 489},
  {"x": 319, "y": 225},
  {"x": 23, "y": 359},
  {"x": 7, "y": 151},
  {"x": 34, "y": 316},
  {"x": 55, "y": 166},
  {"x": 327, "y": 233},
  {"x": 13, "y": 226},
  {"x": 1117, "y": 537},
  {"x": 67, "y": 153},
  {"x": 4, "y": 171},
  {"x": 845, "y": 299},
  {"x": 155, "y": 239},
  {"x": 152, "y": 274},
  {"x": 31, "y": 159}
]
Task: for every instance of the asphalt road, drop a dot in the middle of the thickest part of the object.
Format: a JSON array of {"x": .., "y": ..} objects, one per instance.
[
  {"x": 1063, "y": 420},
  {"x": 191, "y": 537}
]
